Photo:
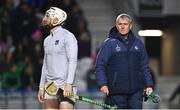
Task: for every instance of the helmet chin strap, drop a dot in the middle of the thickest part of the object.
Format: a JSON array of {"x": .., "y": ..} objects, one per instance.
[{"x": 55, "y": 22}]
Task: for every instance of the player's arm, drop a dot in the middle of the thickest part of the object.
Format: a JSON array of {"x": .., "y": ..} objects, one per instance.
[
  {"x": 72, "y": 51},
  {"x": 42, "y": 80}
]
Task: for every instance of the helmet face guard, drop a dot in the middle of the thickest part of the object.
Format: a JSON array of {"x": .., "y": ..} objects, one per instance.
[{"x": 56, "y": 15}]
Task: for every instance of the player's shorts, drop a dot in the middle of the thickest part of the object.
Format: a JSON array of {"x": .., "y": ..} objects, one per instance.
[{"x": 62, "y": 99}]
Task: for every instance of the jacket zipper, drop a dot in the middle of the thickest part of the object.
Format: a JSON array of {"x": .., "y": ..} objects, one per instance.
[
  {"x": 114, "y": 78},
  {"x": 129, "y": 77}
]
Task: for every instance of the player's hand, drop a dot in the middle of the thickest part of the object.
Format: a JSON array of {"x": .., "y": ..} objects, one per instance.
[
  {"x": 67, "y": 90},
  {"x": 105, "y": 90},
  {"x": 149, "y": 90},
  {"x": 41, "y": 95}
]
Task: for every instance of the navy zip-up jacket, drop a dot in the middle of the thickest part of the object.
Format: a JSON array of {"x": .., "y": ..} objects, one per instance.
[{"x": 122, "y": 64}]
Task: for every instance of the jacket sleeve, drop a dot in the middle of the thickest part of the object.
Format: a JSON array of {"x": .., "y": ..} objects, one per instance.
[
  {"x": 145, "y": 67},
  {"x": 72, "y": 51},
  {"x": 101, "y": 64}
]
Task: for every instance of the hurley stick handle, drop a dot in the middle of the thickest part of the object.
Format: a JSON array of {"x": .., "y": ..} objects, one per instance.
[
  {"x": 88, "y": 100},
  {"x": 91, "y": 101}
]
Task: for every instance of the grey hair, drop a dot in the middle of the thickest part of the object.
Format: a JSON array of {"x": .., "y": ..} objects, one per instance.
[{"x": 124, "y": 15}]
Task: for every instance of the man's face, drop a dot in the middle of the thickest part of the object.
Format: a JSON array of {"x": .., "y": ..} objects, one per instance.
[
  {"x": 47, "y": 22},
  {"x": 123, "y": 25}
]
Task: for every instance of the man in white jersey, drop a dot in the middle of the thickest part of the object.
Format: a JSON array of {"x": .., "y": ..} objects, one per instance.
[{"x": 60, "y": 61}]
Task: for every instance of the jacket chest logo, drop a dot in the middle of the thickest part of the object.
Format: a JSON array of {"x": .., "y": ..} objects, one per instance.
[
  {"x": 118, "y": 48},
  {"x": 56, "y": 42},
  {"x": 136, "y": 47}
]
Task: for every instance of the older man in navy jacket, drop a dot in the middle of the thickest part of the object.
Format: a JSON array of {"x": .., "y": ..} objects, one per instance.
[{"x": 122, "y": 69}]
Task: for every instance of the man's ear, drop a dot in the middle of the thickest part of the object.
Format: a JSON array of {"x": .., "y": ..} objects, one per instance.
[{"x": 130, "y": 26}]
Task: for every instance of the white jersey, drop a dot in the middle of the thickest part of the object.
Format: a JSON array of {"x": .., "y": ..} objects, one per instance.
[{"x": 60, "y": 58}]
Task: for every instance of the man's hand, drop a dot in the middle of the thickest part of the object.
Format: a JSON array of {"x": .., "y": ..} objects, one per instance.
[
  {"x": 67, "y": 90},
  {"x": 41, "y": 95},
  {"x": 149, "y": 90},
  {"x": 105, "y": 90}
]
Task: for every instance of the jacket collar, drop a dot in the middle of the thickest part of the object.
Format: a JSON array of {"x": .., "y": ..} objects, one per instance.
[
  {"x": 113, "y": 33},
  {"x": 55, "y": 30}
]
